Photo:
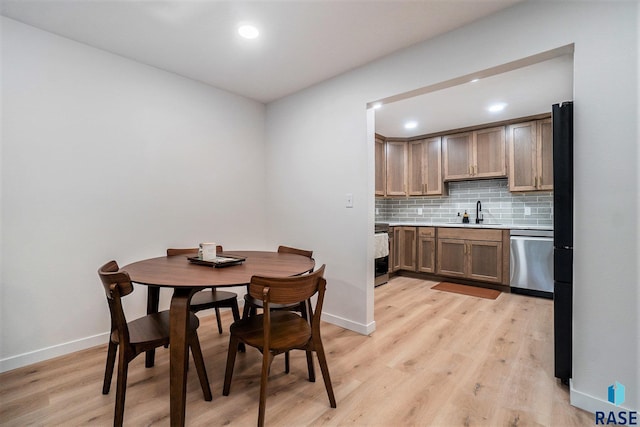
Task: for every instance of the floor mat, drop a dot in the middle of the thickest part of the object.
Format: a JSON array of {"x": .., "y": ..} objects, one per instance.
[{"x": 473, "y": 291}]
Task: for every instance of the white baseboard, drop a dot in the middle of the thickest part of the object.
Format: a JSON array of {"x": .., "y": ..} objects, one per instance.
[
  {"x": 592, "y": 404},
  {"x": 364, "y": 329},
  {"x": 36, "y": 356},
  {"x": 46, "y": 353}
]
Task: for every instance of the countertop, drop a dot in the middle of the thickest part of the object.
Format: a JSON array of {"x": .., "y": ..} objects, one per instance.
[{"x": 470, "y": 225}]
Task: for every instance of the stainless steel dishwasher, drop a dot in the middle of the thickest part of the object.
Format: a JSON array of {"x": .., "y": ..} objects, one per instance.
[{"x": 532, "y": 262}]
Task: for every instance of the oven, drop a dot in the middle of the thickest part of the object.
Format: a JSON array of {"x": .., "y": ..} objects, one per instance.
[{"x": 381, "y": 253}]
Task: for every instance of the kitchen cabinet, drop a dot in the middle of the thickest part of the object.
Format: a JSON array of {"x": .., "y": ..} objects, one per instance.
[
  {"x": 530, "y": 156},
  {"x": 426, "y": 249},
  {"x": 396, "y": 168},
  {"x": 425, "y": 167},
  {"x": 380, "y": 161},
  {"x": 475, "y": 254},
  {"x": 402, "y": 242},
  {"x": 474, "y": 155},
  {"x": 394, "y": 257}
]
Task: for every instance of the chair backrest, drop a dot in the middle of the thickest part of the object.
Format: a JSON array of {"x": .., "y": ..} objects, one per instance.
[
  {"x": 174, "y": 251},
  {"x": 286, "y": 290},
  {"x": 290, "y": 250},
  {"x": 117, "y": 284}
]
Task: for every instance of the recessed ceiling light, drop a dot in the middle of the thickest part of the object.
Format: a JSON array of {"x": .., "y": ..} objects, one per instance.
[
  {"x": 376, "y": 105},
  {"x": 475, "y": 80},
  {"x": 497, "y": 107},
  {"x": 411, "y": 125},
  {"x": 248, "y": 31}
]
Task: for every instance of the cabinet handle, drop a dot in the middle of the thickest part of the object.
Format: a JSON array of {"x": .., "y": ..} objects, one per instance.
[
  {"x": 470, "y": 170},
  {"x": 475, "y": 169}
]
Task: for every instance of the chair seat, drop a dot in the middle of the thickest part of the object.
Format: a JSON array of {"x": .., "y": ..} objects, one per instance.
[
  {"x": 153, "y": 329},
  {"x": 258, "y": 303},
  {"x": 207, "y": 299},
  {"x": 288, "y": 330}
]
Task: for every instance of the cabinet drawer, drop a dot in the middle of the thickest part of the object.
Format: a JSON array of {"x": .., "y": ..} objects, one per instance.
[
  {"x": 426, "y": 231},
  {"x": 470, "y": 234}
]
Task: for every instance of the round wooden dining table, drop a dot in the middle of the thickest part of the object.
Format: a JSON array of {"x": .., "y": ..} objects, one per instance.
[{"x": 187, "y": 278}]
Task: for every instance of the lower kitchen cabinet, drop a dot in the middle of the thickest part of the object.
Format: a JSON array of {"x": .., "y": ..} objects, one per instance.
[
  {"x": 394, "y": 257},
  {"x": 471, "y": 254},
  {"x": 406, "y": 244},
  {"x": 427, "y": 249}
]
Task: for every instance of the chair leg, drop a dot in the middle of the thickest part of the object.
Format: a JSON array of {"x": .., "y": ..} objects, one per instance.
[
  {"x": 218, "y": 320},
  {"x": 322, "y": 360},
  {"x": 305, "y": 310},
  {"x": 121, "y": 389},
  {"x": 108, "y": 371},
  {"x": 196, "y": 351},
  {"x": 267, "y": 358},
  {"x": 231, "y": 360},
  {"x": 310, "y": 367},
  {"x": 236, "y": 317},
  {"x": 286, "y": 362},
  {"x": 246, "y": 310}
]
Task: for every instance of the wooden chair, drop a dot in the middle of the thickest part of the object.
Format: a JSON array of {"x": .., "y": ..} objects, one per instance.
[
  {"x": 210, "y": 298},
  {"x": 138, "y": 336},
  {"x": 251, "y": 304},
  {"x": 275, "y": 332}
]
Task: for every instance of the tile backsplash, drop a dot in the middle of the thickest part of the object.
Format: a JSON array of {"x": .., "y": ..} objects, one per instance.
[{"x": 498, "y": 205}]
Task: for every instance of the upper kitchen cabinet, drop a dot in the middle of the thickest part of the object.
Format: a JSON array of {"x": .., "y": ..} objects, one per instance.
[
  {"x": 530, "y": 156},
  {"x": 396, "y": 168},
  {"x": 474, "y": 155},
  {"x": 381, "y": 175},
  {"x": 425, "y": 167}
]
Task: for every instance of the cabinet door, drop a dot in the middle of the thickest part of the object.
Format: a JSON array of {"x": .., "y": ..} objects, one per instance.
[
  {"x": 426, "y": 250},
  {"x": 432, "y": 177},
  {"x": 396, "y": 168},
  {"x": 407, "y": 239},
  {"x": 416, "y": 167},
  {"x": 394, "y": 252},
  {"x": 489, "y": 150},
  {"x": 522, "y": 156},
  {"x": 452, "y": 257},
  {"x": 544, "y": 157},
  {"x": 381, "y": 172},
  {"x": 485, "y": 261},
  {"x": 457, "y": 155}
]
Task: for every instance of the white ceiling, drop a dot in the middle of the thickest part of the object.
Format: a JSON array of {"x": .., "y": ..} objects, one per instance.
[
  {"x": 527, "y": 91},
  {"x": 302, "y": 42}
]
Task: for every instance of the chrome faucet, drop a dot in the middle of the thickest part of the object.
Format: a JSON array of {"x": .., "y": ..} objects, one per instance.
[{"x": 478, "y": 212}]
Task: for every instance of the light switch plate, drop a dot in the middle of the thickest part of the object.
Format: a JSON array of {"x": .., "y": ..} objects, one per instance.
[{"x": 349, "y": 200}]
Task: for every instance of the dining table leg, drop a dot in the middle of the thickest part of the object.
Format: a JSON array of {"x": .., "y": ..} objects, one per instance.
[
  {"x": 153, "y": 301},
  {"x": 179, "y": 353}
]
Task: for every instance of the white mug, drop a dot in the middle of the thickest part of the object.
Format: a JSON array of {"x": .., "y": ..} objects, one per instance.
[{"x": 208, "y": 251}]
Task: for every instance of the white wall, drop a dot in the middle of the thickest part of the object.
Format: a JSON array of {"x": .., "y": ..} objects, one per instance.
[
  {"x": 104, "y": 158},
  {"x": 318, "y": 151}
]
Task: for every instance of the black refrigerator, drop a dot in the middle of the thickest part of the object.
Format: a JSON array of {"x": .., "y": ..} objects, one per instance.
[{"x": 562, "y": 117}]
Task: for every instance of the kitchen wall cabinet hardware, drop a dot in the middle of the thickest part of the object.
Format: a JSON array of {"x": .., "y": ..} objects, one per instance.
[
  {"x": 425, "y": 167},
  {"x": 530, "y": 156},
  {"x": 380, "y": 161},
  {"x": 471, "y": 254},
  {"x": 396, "y": 168},
  {"x": 426, "y": 249},
  {"x": 474, "y": 155}
]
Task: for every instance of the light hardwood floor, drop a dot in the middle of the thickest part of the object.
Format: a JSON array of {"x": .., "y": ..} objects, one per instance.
[{"x": 436, "y": 359}]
